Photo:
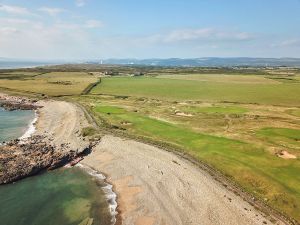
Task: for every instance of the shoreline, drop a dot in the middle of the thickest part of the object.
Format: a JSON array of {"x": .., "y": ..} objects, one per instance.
[
  {"x": 13, "y": 103},
  {"x": 109, "y": 194},
  {"x": 17, "y": 103},
  {"x": 31, "y": 127},
  {"x": 37, "y": 149}
]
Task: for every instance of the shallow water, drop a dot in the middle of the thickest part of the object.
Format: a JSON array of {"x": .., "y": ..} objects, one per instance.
[
  {"x": 13, "y": 124},
  {"x": 62, "y": 197}
]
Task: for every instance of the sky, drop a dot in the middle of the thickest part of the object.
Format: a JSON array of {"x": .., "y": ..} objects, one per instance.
[{"x": 94, "y": 29}]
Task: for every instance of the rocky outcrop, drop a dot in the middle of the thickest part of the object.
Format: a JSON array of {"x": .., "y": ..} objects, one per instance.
[
  {"x": 10, "y": 106},
  {"x": 11, "y": 103},
  {"x": 20, "y": 159}
]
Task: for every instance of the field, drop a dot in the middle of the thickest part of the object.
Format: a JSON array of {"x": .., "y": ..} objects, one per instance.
[
  {"x": 51, "y": 84},
  {"x": 245, "y": 126},
  {"x": 175, "y": 89}
]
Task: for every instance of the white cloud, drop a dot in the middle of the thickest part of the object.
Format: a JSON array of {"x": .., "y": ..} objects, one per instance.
[
  {"x": 203, "y": 34},
  {"x": 14, "y": 10},
  {"x": 293, "y": 43},
  {"x": 7, "y": 30},
  {"x": 80, "y": 3},
  {"x": 93, "y": 24},
  {"x": 51, "y": 11},
  {"x": 290, "y": 43},
  {"x": 35, "y": 39}
]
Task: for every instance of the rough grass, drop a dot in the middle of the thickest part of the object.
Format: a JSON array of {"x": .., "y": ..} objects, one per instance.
[
  {"x": 179, "y": 90},
  {"x": 88, "y": 131},
  {"x": 52, "y": 84},
  {"x": 18, "y": 75},
  {"x": 270, "y": 177},
  {"x": 24, "y": 73},
  {"x": 217, "y": 109},
  {"x": 294, "y": 112},
  {"x": 250, "y": 79}
]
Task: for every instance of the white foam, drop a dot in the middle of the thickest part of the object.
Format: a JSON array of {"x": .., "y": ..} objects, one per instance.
[
  {"x": 31, "y": 128},
  {"x": 111, "y": 197}
]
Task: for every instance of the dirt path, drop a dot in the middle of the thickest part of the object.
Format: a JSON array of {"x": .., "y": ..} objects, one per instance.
[{"x": 156, "y": 187}]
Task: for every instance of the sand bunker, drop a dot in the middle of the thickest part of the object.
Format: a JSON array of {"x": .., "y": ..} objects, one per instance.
[
  {"x": 183, "y": 114},
  {"x": 125, "y": 123},
  {"x": 286, "y": 155}
]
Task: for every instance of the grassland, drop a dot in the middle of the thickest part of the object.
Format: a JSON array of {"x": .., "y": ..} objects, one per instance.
[
  {"x": 276, "y": 93},
  {"x": 236, "y": 123},
  {"x": 51, "y": 84}
]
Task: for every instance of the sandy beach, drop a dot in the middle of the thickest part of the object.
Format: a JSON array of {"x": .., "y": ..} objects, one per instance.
[
  {"x": 61, "y": 123},
  {"x": 156, "y": 187}
]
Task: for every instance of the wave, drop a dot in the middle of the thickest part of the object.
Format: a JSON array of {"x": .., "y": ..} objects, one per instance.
[
  {"x": 31, "y": 128},
  {"x": 111, "y": 196}
]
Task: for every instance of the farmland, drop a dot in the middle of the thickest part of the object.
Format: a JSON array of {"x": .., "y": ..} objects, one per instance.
[
  {"x": 173, "y": 88},
  {"x": 51, "y": 84}
]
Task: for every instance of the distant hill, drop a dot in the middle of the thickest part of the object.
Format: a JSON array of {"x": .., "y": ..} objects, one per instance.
[{"x": 209, "y": 62}]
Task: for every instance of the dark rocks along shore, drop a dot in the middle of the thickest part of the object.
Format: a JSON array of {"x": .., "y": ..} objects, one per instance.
[{"x": 20, "y": 159}]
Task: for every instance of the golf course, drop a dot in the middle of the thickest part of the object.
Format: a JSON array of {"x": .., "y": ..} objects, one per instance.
[{"x": 244, "y": 126}]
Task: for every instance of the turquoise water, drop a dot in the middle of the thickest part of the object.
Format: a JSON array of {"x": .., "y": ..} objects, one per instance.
[
  {"x": 60, "y": 197},
  {"x": 13, "y": 124}
]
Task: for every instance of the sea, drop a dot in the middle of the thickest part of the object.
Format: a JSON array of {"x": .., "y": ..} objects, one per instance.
[
  {"x": 6, "y": 64},
  {"x": 66, "y": 196}
]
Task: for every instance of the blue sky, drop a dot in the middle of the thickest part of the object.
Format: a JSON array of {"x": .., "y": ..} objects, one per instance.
[{"x": 91, "y": 29}]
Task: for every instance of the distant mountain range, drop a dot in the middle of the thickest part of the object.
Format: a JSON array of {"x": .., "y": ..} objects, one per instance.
[
  {"x": 209, "y": 62},
  {"x": 180, "y": 62}
]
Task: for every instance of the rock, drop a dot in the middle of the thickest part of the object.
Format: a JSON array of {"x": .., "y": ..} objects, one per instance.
[
  {"x": 19, "y": 160},
  {"x": 18, "y": 105}
]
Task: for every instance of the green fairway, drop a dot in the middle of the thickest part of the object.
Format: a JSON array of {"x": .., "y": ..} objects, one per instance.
[
  {"x": 282, "y": 136},
  {"x": 179, "y": 90},
  {"x": 268, "y": 176}
]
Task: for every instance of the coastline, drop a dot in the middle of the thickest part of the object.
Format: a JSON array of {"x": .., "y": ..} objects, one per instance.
[
  {"x": 31, "y": 127},
  {"x": 110, "y": 195},
  {"x": 37, "y": 149},
  {"x": 12, "y": 103}
]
